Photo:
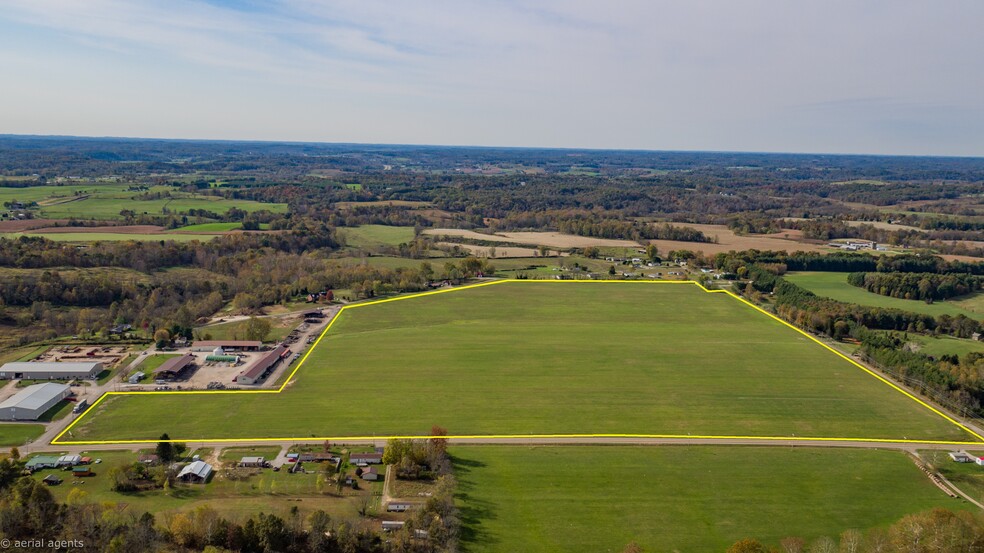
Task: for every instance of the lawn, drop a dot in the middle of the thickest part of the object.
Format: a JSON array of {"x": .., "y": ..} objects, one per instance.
[
  {"x": 834, "y": 285},
  {"x": 17, "y": 434},
  {"x": 969, "y": 477},
  {"x": 234, "y": 454},
  {"x": 367, "y": 236},
  {"x": 679, "y": 498},
  {"x": 522, "y": 357},
  {"x": 269, "y": 492}
]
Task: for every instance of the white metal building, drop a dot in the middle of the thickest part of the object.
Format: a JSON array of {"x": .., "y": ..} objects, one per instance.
[
  {"x": 31, "y": 402},
  {"x": 50, "y": 370}
]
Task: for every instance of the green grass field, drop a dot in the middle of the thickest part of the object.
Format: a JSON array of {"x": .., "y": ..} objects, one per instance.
[
  {"x": 17, "y": 434},
  {"x": 679, "y": 498},
  {"x": 367, "y": 236},
  {"x": 834, "y": 285},
  {"x": 210, "y": 227},
  {"x": 537, "y": 357},
  {"x": 105, "y": 201}
]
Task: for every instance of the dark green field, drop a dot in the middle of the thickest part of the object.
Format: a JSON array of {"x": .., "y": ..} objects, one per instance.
[
  {"x": 540, "y": 357},
  {"x": 679, "y": 498}
]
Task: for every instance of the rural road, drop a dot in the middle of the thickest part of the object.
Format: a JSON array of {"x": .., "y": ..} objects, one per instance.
[{"x": 900, "y": 446}]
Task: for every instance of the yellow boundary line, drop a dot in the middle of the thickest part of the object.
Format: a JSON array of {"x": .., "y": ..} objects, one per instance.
[{"x": 518, "y": 437}]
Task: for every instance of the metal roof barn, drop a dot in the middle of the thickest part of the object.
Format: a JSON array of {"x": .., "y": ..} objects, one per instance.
[
  {"x": 50, "y": 370},
  {"x": 31, "y": 402}
]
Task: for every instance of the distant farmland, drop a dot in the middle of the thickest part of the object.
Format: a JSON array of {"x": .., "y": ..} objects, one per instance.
[
  {"x": 834, "y": 285},
  {"x": 105, "y": 201}
]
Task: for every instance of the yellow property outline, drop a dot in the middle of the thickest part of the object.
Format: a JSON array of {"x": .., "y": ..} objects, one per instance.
[{"x": 519, "y": 437}]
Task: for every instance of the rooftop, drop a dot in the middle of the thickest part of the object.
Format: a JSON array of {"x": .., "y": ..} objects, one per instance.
[
  {"x": 35, "y": 396},
  {"x": 264, "y": 362},
  {"x": 82, "y": 368},
  {"x": 175, "y": 364}
]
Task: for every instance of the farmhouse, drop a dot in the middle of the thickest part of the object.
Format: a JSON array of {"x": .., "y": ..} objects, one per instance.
[
  {"x": 31, "y": 402},
  {"x": 227, "y": 345},
  {"x": 263, "y": 366},
  {"x": 370, "y": 474},
  {"x": 391, "y": 525},
  {"x": 174, "y": 366},
  {"x": 252, "y": 462},
  {"x": 961, "y": 457},
  {"x": 50, "y": 370},
  {"x": 365, "y": 459},
  {"x": 197, "y": 471},
  {"x": 42, "y": 462},
  {"x": 398, "y": 507},
  {"x": 148, "y": 458}
]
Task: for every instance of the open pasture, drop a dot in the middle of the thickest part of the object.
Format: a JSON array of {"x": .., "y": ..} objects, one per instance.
[
  {"x": 537, "y": 357},
  {"x": 835, "y": 286},
  {"x": 597, "y": 498}
]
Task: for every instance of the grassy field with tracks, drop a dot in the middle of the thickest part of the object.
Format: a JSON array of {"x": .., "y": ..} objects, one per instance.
[
  {"x": 834, "y": 285},
  {"x": 679, "y": 498},
  {"x": 523, "y": 357}
]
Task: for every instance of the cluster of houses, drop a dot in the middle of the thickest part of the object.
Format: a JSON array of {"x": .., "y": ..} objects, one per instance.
[{"x": 76, "y": 464}]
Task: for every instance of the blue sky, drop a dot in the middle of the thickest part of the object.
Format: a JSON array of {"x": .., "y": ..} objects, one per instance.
[{"x": 861, "y": 76}]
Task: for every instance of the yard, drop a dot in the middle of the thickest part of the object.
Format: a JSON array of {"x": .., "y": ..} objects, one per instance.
[
  {"x": 679, "y": 498},
  {"x": 547, "y": 358},
  {"x": 269, "y": 492}
]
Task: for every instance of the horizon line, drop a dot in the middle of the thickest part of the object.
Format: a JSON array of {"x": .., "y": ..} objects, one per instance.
[{"x": 478, "y": 147}]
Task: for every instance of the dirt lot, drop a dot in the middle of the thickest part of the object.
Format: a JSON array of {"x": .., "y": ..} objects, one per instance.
[
  {"x": 118, "y": 229},
  {"x": 788, "y": 240},
  {"x": 28, "y": 224}
]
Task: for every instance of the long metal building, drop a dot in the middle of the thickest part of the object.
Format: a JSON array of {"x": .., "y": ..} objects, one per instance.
[
  {"x": 50, "y": 370},
  {"x": 31, "y": 402}
]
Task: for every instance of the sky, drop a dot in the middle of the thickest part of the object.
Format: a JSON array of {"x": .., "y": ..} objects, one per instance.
[{"x": 833, "y": 76}]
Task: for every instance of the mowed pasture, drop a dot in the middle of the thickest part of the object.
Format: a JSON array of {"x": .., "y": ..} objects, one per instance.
[
  {"x": 368, "y": 236},
  {"x": 597, "y": 498},
  {"x": 546, "y": 357},
  {"x": 835, "y": 286}
]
